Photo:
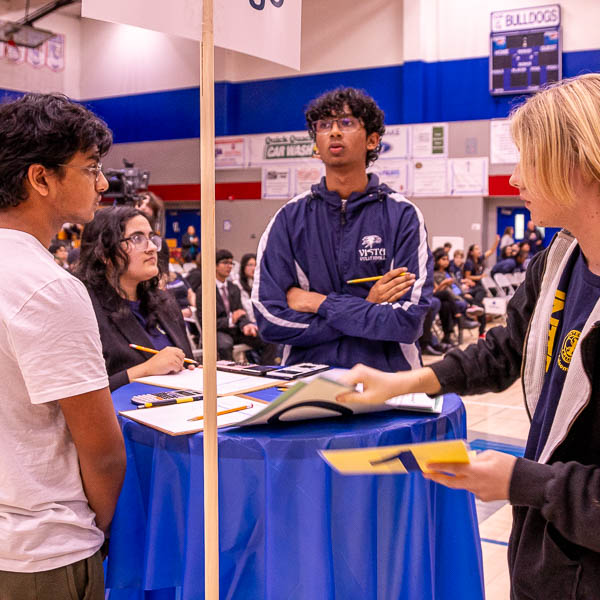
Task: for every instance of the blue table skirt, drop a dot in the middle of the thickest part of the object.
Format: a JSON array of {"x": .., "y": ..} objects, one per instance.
[{"x": 291, "y": 527}]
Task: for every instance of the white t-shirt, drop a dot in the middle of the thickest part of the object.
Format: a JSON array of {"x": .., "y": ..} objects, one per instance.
[{"x": 49, "y": 349}]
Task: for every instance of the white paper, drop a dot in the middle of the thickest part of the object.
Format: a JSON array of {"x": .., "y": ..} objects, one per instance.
[
  {"x": 230, "y": 152},
  {"x": 395, "y": 142},
  {"x": 502, "y": 148},
  {"x": 417, "y": 402},
  {"x": 393, "y": 173},
  {"x": 429, "y": 140},
  {"x": 429, "y": 177},
  {"x": 307, "y": 176},
  {"x": 276, "y": 182},
  {"x": 174, "y": 418},
  {"x": 259, "y": 28},
  {"x": 227, "y": 383},
  {"x": 468, "y": 176}
]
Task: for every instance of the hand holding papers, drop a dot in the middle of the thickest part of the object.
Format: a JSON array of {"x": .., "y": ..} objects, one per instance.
[
  {"x": 317, "y": 398},
  {"x": 396, "y": 459}
]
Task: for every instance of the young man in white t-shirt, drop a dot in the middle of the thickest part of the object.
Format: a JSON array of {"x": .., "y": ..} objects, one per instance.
[{"x": 62, "y": 458}]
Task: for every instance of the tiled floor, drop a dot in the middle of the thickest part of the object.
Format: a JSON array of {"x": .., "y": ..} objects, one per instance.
[{"x": 495, "y": 419}]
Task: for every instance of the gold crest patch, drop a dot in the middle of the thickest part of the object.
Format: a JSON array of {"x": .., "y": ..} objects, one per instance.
[{"x": 567, "y": 349}]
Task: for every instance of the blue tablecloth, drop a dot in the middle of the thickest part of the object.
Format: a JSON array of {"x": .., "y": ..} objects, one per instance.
[{"x": 290, "y": 527}]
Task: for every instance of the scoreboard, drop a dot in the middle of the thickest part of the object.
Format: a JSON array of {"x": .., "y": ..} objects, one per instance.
[{"x": 528, "y": 56}]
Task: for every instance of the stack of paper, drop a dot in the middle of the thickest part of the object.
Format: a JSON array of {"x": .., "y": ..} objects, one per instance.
[
  {"x": 178, "y": 419},
  {"x": 227, "y": 383}
]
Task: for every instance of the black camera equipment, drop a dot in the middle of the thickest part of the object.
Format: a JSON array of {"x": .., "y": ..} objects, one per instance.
[{"x": 125, "y": 184}]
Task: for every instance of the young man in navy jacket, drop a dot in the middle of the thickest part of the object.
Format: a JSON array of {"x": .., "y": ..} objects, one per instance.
[{"x": 349, "y": 226}]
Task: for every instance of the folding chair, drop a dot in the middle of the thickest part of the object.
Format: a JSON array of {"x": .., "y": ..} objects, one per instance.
[{"x": 504, "y": 284}]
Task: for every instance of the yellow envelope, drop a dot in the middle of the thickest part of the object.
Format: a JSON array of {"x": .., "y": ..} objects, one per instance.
[{"x": 396, "y": 459}]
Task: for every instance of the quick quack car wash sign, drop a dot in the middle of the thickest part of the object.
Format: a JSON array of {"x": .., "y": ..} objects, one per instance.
[{"x": 288, "y": 146}]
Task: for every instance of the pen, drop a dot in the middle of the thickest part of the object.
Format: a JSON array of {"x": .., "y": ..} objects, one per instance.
[
  {"x": 222, "y": 412},
  {"x": 167, "y": 402},
  {"x": 153, "y": 351}
]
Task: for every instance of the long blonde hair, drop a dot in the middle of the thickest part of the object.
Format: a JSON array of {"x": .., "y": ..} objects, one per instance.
[{"x": 557, "y": 131}]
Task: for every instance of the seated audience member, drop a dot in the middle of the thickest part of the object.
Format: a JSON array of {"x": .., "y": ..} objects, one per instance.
[
  {"x": 509, "y": 251},
  {"x": 454, "y": 308},
  {"x": 233, "y": 324},
  {"x": 194, "y": 277},
  {"x": 475, "y": 263},
  {"x": 72, "y": 258},
  {"x": 60, "y": 251},
  {"x": 119, "y": 266},
  {"x": 182, "y": 292},
  {"x": 428, "y": 342},
  {"x": 513, "y": 264},
  {"x": 447, "y": 247},
  {"x": 507, "y": 238},
  {"x": 245, "y": 281}
]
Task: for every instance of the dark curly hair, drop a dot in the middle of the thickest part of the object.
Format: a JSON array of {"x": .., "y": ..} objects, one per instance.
[
  {"x": 46, "y": 129},
  {"x": 102, "y": 261},
  {"x": 361, "y": 105}
]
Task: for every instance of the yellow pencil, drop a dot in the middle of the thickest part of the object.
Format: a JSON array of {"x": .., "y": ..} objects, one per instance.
[
  {"x": 153, "y": 351},
  {"x": 365, "y": 279},
  {"x": 222, "y": 412}
]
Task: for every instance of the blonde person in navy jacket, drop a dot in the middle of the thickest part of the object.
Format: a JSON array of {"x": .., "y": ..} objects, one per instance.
[
  {"x": 552, "y": 341},
  {"x": 349, "y": 226}
]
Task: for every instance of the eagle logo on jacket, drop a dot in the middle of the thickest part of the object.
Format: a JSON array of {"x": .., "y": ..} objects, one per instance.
[
  {"x": 370, "y": 240},
  {"x": 369, "y": 251}
]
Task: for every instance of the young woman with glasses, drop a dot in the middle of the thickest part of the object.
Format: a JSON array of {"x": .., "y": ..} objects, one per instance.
[{"x": 119, "y": 266}]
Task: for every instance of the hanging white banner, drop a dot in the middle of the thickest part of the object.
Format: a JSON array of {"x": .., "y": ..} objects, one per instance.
[{"x": 269, "y": 29}]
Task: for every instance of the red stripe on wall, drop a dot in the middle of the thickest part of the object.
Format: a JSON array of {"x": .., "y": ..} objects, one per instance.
[
  {"x": 499, "y": 186},
  {"x": 190, "y": 192}
]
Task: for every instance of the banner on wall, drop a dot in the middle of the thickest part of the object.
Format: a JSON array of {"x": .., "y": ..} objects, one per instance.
[
  {"x": 395, "y": 142},
  {"x": 274, "y": 148},
  {"x": 429, "y": 177},
  {"x": 393, "y": 173},
  {"x": 468, "y": 176},
  {"x": 429, "y": 140},
  {"x": 230, "y": 152},
  {"x": 269, "y": 29}
]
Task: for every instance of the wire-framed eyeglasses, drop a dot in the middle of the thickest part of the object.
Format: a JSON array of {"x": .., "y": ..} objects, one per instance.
[
  {"x": 95, "y": 170},
  {"x": 141, "y": 242},
  {"x": 346, "y": 123}
]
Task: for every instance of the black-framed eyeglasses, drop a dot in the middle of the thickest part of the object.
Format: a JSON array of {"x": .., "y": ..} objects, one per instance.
[
  {"x": 95, "y": 171},
  {"x": 346, "y": 123},
  {"x": 141, "y": 242}
]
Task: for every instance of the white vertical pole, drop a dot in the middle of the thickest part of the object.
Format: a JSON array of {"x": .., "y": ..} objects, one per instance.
[{"x": 209, "y": 312}]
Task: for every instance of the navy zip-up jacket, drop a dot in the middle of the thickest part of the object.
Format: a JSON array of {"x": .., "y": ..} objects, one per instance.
[{"x": 317, "y": 242}]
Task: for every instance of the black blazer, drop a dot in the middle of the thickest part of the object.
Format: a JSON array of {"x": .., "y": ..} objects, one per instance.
[
  {"x": 117, "y": 332},
  {"x": 235, "y": 302}
]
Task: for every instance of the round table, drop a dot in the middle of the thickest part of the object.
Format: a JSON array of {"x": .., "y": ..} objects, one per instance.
[{"x": 291, "y": 527}]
